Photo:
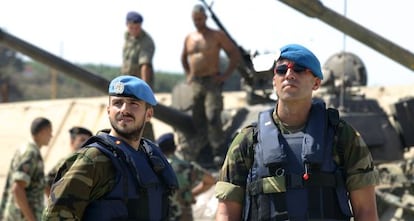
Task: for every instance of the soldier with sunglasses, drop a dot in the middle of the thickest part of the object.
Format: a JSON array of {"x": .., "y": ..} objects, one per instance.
[{"x": 300, "y": 161}]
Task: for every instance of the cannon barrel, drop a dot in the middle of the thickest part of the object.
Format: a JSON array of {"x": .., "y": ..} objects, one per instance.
[
  {"x": 170, "y": 116},
  {"x": 314, "y": 8}
]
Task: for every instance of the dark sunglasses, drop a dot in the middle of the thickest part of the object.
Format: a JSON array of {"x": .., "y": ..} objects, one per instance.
[{"x": 282, "y": 69}]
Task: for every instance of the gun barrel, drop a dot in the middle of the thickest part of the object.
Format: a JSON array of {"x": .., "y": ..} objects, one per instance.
[
  {"x": 54, "y": 61},
  {"x": 314, "y": 8},
  {"x": 170, "y": 116}
]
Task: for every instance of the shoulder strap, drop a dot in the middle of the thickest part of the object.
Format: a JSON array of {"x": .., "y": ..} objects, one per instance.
[
  {"x": 156, "y": 163},
  {"x": 333, "y": 116},
  {"x": 255, "y": 132},
  {"x": 334, "y": 120}
]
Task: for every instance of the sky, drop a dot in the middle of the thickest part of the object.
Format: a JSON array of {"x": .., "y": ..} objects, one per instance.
[{"x": 91, "y": 31}]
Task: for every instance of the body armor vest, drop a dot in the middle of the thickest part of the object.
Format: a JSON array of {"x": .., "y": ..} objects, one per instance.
[
  {"x": 294, "y": 177},
  {"x": 144, "y": 181}
]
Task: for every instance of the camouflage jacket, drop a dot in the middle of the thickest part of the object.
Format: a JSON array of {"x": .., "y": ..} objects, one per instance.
[
  {"x": 50, "y": 176},
  {"x": 188, "y": 174},
  {"x": 26, "y": 165},
  {"x": 356, "y": 160},
  {"x": 91, "y": 175}
]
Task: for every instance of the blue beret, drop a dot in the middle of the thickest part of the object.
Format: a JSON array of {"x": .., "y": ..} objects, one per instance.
[
  {"x": 131, "y": 86},
  {"x": 134, "y": 17},
  {"x": 302, "y": 56},
  {"x": 166, "y": 142}
]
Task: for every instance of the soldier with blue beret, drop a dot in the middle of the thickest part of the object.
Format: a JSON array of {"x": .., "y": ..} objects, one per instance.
[
  {"x": 302, "y": 56},
  {"x": 138, "y": 50},
  {"x": 130, "y": 86},
  {"x": 134, "y": 17},
  {"x": 299, "y": 160},
  {"x": 118, "y": 174}
]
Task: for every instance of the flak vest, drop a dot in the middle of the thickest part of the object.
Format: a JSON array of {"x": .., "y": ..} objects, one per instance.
[
  {"x": 294, "y": 176},
  {"x": 144, "y": 181}
]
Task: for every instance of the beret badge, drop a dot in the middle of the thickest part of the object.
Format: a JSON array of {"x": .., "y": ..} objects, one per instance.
[{"x": 119, "y": 87}]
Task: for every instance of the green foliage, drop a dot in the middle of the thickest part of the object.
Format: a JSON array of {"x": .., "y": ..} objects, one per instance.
[
  {"x": 36, "y": 82},
  {"x": 165, "y": 82}
]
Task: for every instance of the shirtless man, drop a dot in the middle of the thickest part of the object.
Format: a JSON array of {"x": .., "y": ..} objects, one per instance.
[{"x": 200, "y": 59}]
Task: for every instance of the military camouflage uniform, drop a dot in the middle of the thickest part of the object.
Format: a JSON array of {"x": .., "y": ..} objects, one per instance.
[
  {"x": 93, "y": 175},
  {"x": 50, "y": 176},
  {"x": 357, "y": 161},
  {"x": 26, "y": 165},
  {"x": 188, "y": 175},
  {"x": 136, "y": 52},
  {"x": 206, "y": 112}
]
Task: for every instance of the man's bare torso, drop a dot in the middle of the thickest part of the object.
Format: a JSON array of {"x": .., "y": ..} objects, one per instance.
[{"x": 203, "y": 53}]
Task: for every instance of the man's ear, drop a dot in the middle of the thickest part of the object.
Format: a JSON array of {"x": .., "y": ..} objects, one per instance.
[
  {"x": 149, "y": 113},
  {"x": 317, "y": 83}
]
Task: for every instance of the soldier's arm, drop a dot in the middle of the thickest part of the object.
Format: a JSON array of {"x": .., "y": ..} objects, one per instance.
[
  {"x": 364, "y": 204},
  {"x": 228, "y": 211},
  {"x": 184, "y": 60},
  {"x": 203, "y": 179},
  {"x": 22, "y": 177},
  {"x": 89, "y": 177},
  {"x": 230, "y": 187},
  {"x": 362, "y": 176},
  {"x": 145, "y": 60},
  {"x": 146, "y": 72},
  {"x": 19, "y": 194},
  {"x": 231, "y": 51}
]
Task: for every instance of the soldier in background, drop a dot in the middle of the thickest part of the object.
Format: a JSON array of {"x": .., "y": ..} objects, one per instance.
[
  {"x": 200, "y": 59},
  {"x": 78, "y": 136},
  {"x": 138, "y": 52},
  {"x": 23, "y": 197},
  {"x": 193, "y": 180}
]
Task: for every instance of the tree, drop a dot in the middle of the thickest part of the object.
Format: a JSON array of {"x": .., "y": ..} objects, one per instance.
[{"x": 10, "y": 64}]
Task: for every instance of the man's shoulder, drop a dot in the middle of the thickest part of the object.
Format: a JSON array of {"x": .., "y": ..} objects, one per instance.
[
  {"x": 89, "y": 154},
  {"x": 147, "y": 38}
]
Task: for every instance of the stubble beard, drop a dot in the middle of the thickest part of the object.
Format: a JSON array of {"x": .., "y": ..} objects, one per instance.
[{"x": 128, "y": 134}]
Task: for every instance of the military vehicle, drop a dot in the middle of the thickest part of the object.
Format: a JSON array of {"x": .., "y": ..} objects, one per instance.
[{"x": 387, "y": 136}]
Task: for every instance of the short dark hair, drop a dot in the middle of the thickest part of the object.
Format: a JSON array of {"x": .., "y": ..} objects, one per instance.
[
  {"x": 74, "y": 131},
  {"x": 39, "y": 124}
]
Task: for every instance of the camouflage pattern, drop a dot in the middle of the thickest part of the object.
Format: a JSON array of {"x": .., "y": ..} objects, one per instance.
[
  {"x": 26, "y": 165},
  {"x": 136, "y": 52},
  {"x": 358, "y": 163},
  {"x": 91, "y": 176},
  {"x": 188, "y": 174},
  {"x": 50, "y": 176},
  {"x": 206, "y": 112}
]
